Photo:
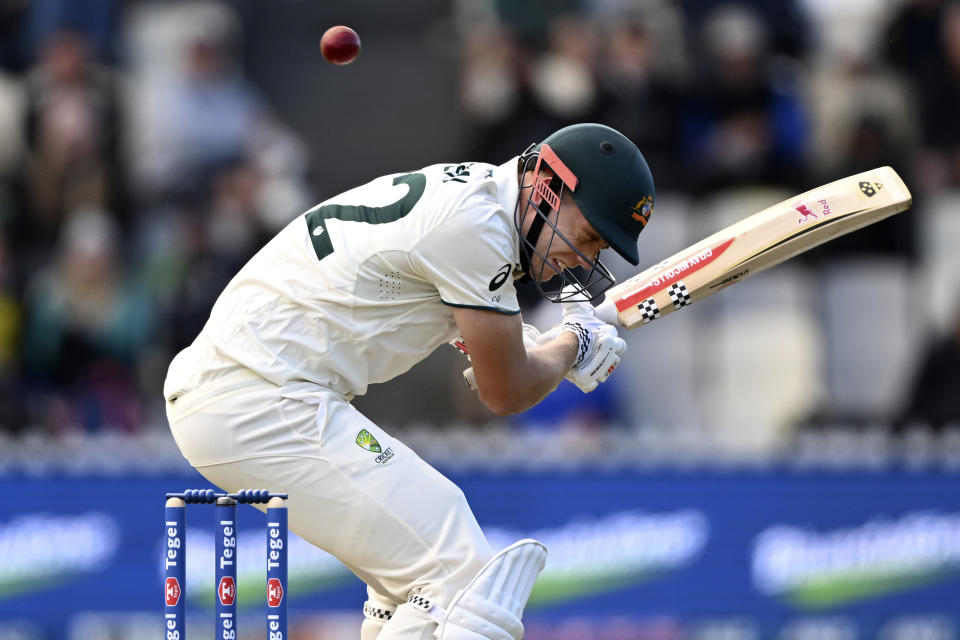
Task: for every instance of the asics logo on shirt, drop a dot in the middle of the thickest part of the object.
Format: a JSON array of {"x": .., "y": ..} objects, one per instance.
[{"x": 501, "y": 277}]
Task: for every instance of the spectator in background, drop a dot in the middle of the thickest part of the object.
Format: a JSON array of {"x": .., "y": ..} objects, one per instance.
[
  {"x": 11, "y": 402},
  {"x": 924, "y": 42},
  {"x": 913, "y": 37},
  {"x": 73, "y": 120},
  {"x": 862, "y": 116},
  {"x": 215, "y": 172},
  {"x": 11, "y": 152},
  {"x": 521, "y": 82},
  {"x": 934, "y": 398},
  {"x": 563, "y": 78},
  {"x": 203, "y": 115},
  {"x": 212, "y": 247},
  {"x": 12, "y": 17},
  {"x": 871, "y": 141},
  {"x": 191, "y": 248},
  {"x": 495, "y": 91},
  {"x": 86, "y": 323},
  {"x": 96, "y": 19},
  {"x": 788, "y": 31},
  {"x": 234, "y": 229},
  {"x": 744, "y": 122},
  {"x": 26, "y": 25},
  {"x": 201, "y": 120},
  {"x": 640, "y": 97}
]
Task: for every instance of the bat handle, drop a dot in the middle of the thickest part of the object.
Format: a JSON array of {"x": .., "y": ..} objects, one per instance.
[
  {"x": 607, "y": 311},
  {"x": 470, "y": 379}
]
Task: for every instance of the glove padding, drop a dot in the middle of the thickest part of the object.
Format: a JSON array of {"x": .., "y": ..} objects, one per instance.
[
  {"x": 602, "y": 358},
  {"x": 600, "y": 347}
]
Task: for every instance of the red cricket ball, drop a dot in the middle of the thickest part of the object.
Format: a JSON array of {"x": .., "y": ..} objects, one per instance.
[{"x": 340, "y": 45}]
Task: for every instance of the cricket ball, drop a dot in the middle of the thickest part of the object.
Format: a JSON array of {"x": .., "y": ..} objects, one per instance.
[{"x": 340, "y": 45}]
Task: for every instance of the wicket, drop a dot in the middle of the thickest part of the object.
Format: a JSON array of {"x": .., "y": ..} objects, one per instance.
[{"x": 225, "y": 574}]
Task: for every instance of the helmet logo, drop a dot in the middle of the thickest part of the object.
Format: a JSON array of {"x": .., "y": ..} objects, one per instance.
[{"x": 642, "y": 211}]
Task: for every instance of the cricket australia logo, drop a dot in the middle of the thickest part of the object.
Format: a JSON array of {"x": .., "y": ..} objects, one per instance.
[
  {"x": 365, "y": 440},
  {"x": 642, "y": 211}
]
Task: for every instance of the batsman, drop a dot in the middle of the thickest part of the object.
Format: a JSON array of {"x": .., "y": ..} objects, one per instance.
[{"x": 362, "y": 287}]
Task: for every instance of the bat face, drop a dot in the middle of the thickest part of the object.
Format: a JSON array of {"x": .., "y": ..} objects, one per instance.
[{"x": 756, "y": 243}]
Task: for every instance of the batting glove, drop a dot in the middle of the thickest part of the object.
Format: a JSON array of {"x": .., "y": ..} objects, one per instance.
[
  {"x": 602, "y": 358},
  {"x": 599, "y": 348}
]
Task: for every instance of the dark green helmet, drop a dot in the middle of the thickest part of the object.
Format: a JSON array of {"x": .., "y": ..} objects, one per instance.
[{"x": 612, "y": 183}]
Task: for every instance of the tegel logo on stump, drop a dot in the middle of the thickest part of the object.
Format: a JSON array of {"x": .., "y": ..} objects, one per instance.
[
  {"x": 274, "y": 592},
  {"x": 823, "y": 569},
  {"x": 227, "y": 591},
  {"x": 171, "y": 592}
]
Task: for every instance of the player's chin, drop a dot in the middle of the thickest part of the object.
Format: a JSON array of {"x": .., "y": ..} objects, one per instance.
[{"x": 546, "y": 272}]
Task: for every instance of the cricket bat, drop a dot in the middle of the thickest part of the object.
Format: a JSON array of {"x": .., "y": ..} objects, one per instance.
[{"x": 754, "y": 244}]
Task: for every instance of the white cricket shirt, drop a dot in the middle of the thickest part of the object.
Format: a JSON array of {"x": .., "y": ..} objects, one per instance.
[{"x": 360, "y": 288}]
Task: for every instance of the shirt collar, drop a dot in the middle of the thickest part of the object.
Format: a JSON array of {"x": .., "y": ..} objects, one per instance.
[{"x": 508, "y": 191}]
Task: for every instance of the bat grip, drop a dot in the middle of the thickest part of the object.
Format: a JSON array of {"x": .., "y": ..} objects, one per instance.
[
  {"x": 470, "y": 379},
  {"x": 607, "y": 311}
]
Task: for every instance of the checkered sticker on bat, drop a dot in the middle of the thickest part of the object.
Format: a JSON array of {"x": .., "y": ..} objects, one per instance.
[
  {"x": 680, "y": 295},
  {"x": 649, "y": 310}
]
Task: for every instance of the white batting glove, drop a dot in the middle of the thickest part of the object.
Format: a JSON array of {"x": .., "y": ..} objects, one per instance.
[
  {"x": 531, "y": 338},
  {"x": 599, "y": 348},
  {"x": 600, "y": 361}
]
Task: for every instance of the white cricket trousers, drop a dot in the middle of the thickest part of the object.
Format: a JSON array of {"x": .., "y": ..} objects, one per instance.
[{"x": 392, "y": 519}]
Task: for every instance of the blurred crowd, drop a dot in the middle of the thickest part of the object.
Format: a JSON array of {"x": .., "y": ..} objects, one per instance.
[
  {"x": 140, "y": 170},
  {"x": 140, "y": 166}
]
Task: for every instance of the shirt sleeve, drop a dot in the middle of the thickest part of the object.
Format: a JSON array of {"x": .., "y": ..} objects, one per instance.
[{"x": 469, "y": 258}]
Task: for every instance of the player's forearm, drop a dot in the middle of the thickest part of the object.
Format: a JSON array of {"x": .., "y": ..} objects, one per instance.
[{"x": 537, "y": 374}]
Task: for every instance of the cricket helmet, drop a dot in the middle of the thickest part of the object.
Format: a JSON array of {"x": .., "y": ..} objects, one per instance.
[
  {"x": 614, "y": 187},
  {"x": 609, "y": 181}
]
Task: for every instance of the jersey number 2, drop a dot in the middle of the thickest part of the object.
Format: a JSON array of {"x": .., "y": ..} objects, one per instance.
[{"x": 317, "y": 218}]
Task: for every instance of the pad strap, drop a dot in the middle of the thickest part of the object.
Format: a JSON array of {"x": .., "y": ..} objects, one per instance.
[{"x": 370, "y": 610}]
